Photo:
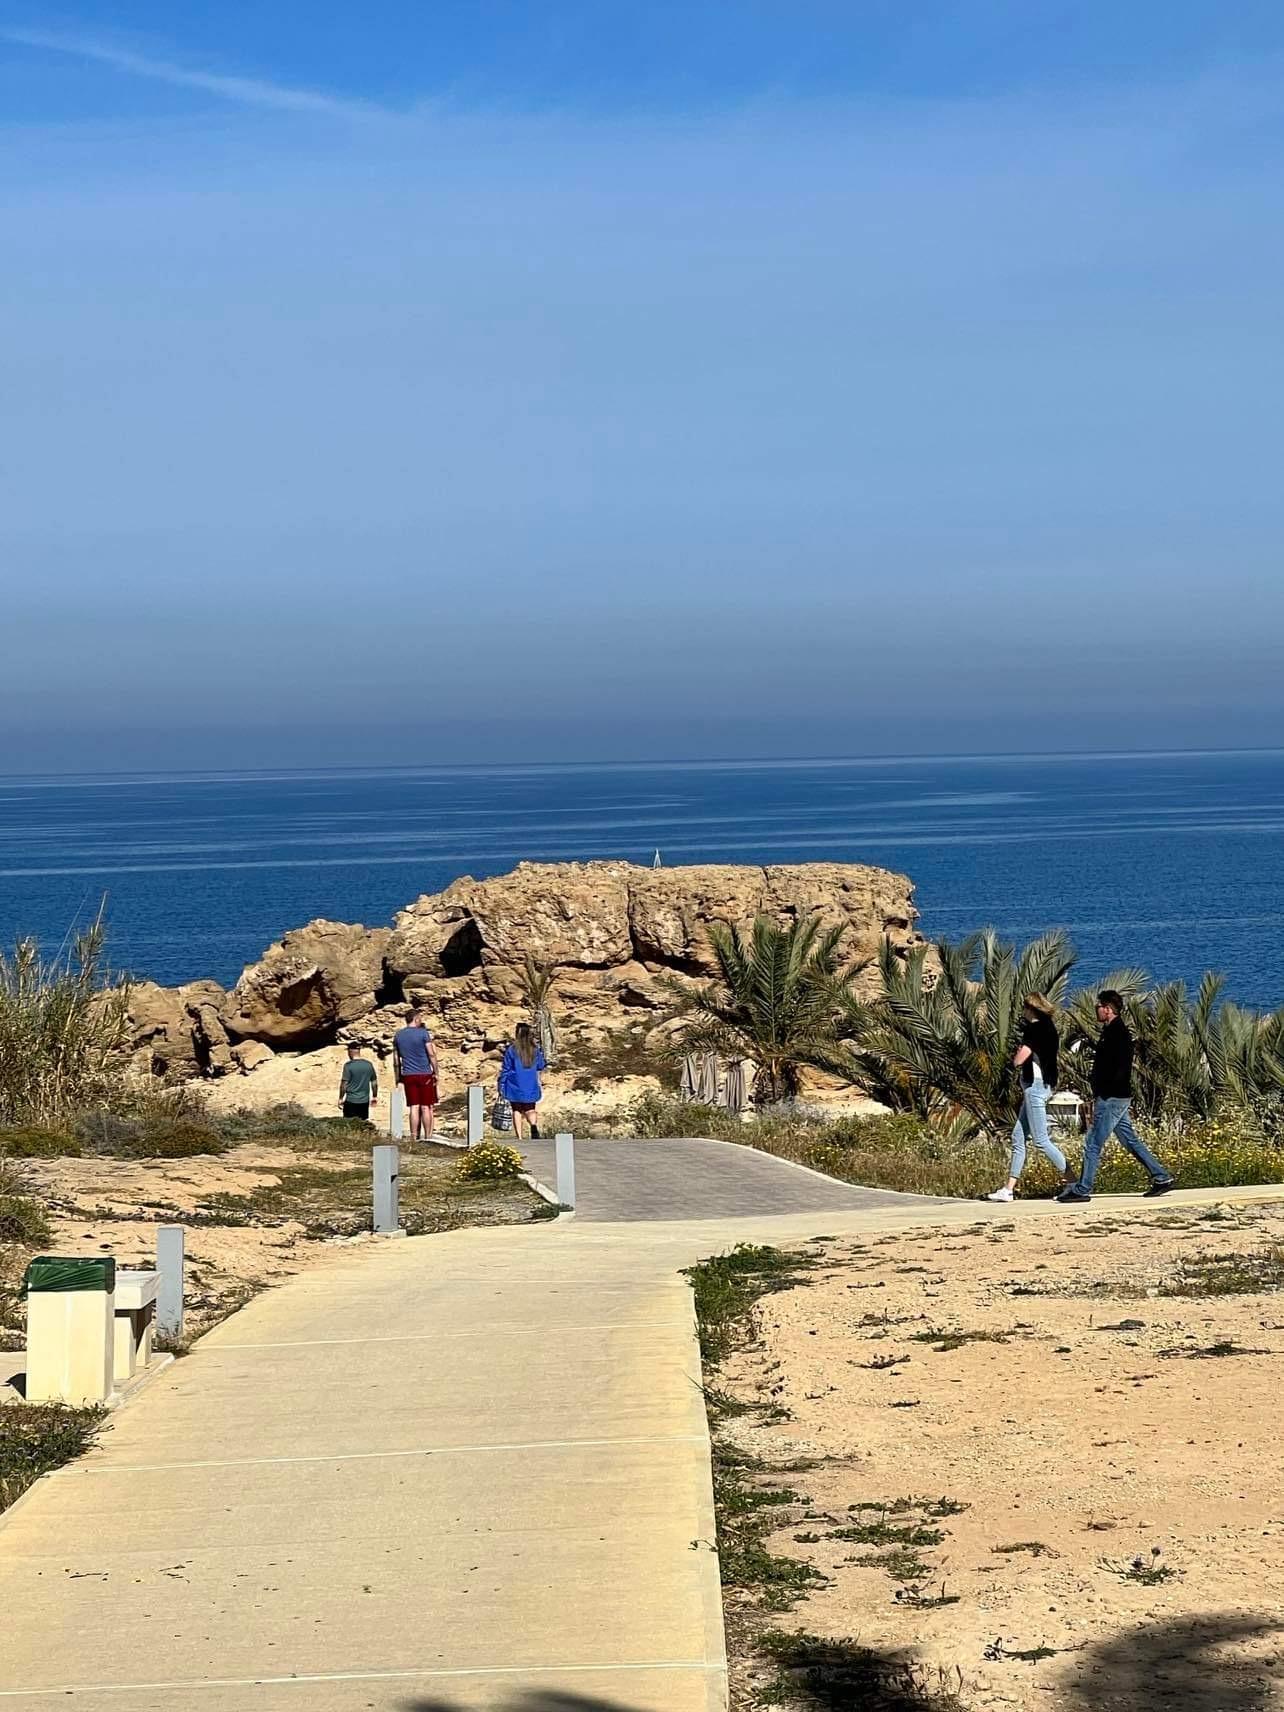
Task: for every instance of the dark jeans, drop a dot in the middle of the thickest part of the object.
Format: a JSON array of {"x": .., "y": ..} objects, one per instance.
[
  {"x": 352, "y": 1110},
  {"x": 1112, "y": 1117}
]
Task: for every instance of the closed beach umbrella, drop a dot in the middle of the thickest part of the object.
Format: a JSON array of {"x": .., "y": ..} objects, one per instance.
[
  {"x": 737, "y": 1096},
  {"x": 707, "y": 1080},
  {"x": 690, "y": 1076}
]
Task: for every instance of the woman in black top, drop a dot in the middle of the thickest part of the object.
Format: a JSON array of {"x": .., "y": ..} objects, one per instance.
[{"x": 1036, "y": 1061}]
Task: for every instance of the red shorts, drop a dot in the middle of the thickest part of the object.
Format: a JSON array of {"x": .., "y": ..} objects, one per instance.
[{"x": 420, "y": 1090}]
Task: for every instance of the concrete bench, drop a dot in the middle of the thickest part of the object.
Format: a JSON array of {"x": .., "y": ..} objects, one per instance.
[
  {"x": 1065, "y": 1111},
  {"x": 134, "y": 1319}
]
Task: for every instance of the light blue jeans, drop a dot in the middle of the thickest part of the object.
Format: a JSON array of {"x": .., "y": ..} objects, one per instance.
[
  {"x": 1032, "y": 1121},
  {"x": 1111, "y": 1117}
]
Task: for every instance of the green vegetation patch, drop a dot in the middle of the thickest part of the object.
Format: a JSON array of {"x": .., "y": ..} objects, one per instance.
[
  {"x": 1212, "y": 1351},
  {"x": 38, "y": 1437},
  {"x": 942, "y": 1341},
  {"x": 1229, "y": 1274},
  {"x": 820, "y": 1674},
  {"x": 727, "y": 1286},
  {"x": 23, "y": 1220},
  {"x": 491, "y": 1161},
  {"x": 748, "y": 1510},
  {"x": 37, "y": 1141},
  {"x": 885, "y": 1533}
]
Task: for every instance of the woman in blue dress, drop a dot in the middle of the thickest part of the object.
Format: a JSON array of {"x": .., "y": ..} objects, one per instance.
[{"x": 519, "y": 1082}]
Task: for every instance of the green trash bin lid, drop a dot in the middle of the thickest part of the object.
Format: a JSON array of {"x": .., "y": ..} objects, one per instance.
[{"x": 50, "y": 1274}]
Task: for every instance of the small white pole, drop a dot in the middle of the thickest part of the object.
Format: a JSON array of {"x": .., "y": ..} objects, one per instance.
[
  {"x": 476, "y": 1113},
  {"x": 171, "y": 1246},
  {"x": 397, "y": 1113},
  {"x": 564, "y": 1148},
  {"x": 387, "y": 1161}
]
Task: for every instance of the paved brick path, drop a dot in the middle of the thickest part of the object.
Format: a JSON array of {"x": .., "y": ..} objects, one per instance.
[{"x": 619, "y": 1181}]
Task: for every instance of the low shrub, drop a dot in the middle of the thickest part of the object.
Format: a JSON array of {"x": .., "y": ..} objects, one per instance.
[
  {"x": 490, "y": 1161},
  {"x": 22, "y": 1220},
  {"x": 285, "y": 1122},
  {"x": 903, "y": 1152},
  {"x": 37, "y": 1141},
  {"x": 35, "y": 1438},
  {"x": 63, "y": 1023},
  {"x": 154, "y": 1136}
]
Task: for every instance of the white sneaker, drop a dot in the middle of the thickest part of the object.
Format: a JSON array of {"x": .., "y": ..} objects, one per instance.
[{"x": 1003, "y": 1194}]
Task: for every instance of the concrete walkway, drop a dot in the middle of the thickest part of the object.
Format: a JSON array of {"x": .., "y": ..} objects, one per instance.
[
  {"x": 625, "y": 1181},
  {"x": 466, "y": 1473}
]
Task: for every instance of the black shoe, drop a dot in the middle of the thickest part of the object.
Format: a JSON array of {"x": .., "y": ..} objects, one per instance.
[
  {"x": 535, "y": 1135},
  {"x": 1072, "y": 1195},
  {"x": 1163, "y": 1187}
]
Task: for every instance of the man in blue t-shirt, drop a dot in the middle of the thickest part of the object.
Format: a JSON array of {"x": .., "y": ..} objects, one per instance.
[{"x": 415, "y": 1059}]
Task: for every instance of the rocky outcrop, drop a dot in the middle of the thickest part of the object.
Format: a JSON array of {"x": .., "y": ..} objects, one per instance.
[
  {"x": 309, "y": 984},
  {"x": 167, "y": 1036},
  {"x": 614, "y": 934},
  {"x": 632, "y": 922}
]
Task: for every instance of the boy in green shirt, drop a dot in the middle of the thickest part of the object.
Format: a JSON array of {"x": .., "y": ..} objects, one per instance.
[{"x": 358, "y": 1086}]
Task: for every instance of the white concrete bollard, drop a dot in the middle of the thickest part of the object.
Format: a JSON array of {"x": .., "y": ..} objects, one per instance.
[
  {"x": 564, "y": 1153},
  {"x": 171, "y": 1251},
  {"x": 476, "y": 1113},
  {"x": 397, "y": 1113},
  {"x": 387, "y": 1163}
]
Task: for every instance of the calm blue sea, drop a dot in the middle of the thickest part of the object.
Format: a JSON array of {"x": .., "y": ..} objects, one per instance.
[{"x": 1172, "y": 862}]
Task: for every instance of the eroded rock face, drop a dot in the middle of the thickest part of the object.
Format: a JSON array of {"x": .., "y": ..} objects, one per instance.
[
  {"x": 615, "y": 935},
  {"x": 612, "y": 919},
  {"x": 309, "y": 984},
  {"x": 670, "y": 910},
  {"x": 163, "y": 1026},
  {"x": 569, "y": 914}
]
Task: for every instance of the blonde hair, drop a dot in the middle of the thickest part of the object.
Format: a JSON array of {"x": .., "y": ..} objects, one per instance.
[{"x": 1038, "y": 1004}]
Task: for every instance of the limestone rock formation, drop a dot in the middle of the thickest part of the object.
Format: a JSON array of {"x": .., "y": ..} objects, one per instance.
[
  {"x": 567, "y": 914},
  {"x": 631, "y": 921},
  {"x": 309, "y": 984},
  {"x": 163, "y": 1027},
  {"x": 209, "y": 1037},
  {"x": 614, "y": 934},
  {"x": 249, "y": 1055}
]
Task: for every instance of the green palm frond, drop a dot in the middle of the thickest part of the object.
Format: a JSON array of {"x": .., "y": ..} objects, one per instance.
[{"x": 781, "y": 997}]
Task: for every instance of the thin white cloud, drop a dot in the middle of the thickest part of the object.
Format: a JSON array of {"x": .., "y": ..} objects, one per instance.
[{"x": 244, "y": 91}]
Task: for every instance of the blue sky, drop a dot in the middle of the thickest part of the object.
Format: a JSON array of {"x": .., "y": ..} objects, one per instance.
[{"x": 487, "y": 380}]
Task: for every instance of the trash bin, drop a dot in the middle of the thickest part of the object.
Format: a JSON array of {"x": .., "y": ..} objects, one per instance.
[{"x": 70, "y": 1309}]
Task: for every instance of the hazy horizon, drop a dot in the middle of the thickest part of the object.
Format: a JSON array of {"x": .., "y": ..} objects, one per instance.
[
  {"x": 568, "y": 764},
  {"x": 586, "y": 384}
]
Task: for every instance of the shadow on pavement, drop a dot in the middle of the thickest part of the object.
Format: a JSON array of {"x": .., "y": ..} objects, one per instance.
[{"x": 532, "y": 1700}]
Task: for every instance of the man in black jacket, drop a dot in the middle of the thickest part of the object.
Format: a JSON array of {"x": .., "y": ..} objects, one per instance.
[{"x": 1111, "y": 1100}]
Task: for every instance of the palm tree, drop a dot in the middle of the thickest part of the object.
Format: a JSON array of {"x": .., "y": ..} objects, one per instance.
[
  {"x": 779, "y": 998},
  {"x": 941, "y": 1043},
  {"x": 537, "y": 986},
  {"x": 1190, "y": 1055}
]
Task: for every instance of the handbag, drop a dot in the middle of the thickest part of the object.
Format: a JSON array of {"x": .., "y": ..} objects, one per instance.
[{"x": 501, "y": 1115}]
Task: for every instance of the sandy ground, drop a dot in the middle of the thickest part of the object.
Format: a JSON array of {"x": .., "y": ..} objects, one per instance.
[
  {"x": 113, "y": 1206},
  {"x": 1082, "y": 1439}
]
